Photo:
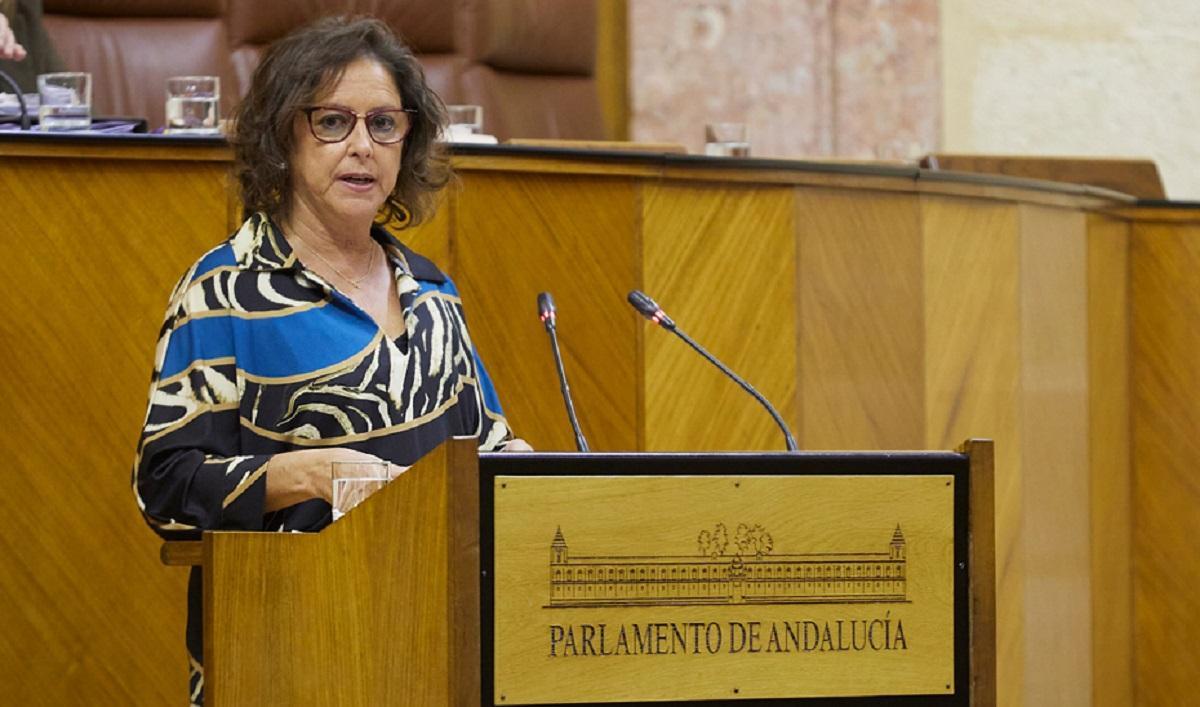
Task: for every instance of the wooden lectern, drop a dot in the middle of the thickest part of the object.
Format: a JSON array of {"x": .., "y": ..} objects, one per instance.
[
  {"x": 814, "y": 578},
  {"x": 380, "y": 608}
]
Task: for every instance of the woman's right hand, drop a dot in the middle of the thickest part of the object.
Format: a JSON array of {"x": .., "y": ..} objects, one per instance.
[{"x": 302, "y": 475}]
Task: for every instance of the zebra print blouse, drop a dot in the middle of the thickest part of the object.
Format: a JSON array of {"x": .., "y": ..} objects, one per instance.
[{"x": 258, "y": 355}]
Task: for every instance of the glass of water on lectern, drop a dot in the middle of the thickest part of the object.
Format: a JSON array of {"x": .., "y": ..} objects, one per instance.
[
  {"x": 192, "y": 105},
  {"x": 726, "y": 140},
  {"x": 463, "y": 122},
  {"x": 353, "y": 482},
  {"x": 65, "y": 101}
]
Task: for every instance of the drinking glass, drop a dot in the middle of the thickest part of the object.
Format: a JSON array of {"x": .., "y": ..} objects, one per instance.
[
  {"x": 353, "y": 482},
  {"x": 726, "y": 140},
  {"x": 464, "y": 121},
  {"x": 192, "y": 105},
  {"x": 65, "y": 101}
]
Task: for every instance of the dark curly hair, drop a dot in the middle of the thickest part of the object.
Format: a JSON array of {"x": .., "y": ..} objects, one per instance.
[{"x": 298, "y": 67}]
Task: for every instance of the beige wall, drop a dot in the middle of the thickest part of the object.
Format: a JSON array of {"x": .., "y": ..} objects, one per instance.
[{"x": 1075, "y": 77}]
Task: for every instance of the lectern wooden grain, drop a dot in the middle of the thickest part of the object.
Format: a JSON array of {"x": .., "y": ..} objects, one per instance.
[
  {"x": 540, "y": 579},
  {"x": 380, "y": 608}
]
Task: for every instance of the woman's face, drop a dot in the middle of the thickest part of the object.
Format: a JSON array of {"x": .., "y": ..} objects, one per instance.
[{"x": 348, "y": 180}]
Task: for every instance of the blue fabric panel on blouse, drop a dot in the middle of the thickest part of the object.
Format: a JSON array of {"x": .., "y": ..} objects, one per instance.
[
  {"x": 216, "y": 258},
  {"x": 446, "y": 288},
  {"x": 490, "y": 399},
  {"x": 198, "y": 339},
  {"x": 272, "y": 347},
  {"x": 301, "y": 343}
]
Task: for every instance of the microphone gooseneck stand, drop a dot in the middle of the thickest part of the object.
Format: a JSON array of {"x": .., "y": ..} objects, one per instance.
[
  {"x": 549, "y": 317},
  {"x": 649, "y": 309},
  {"x": 20, "y": 99}
]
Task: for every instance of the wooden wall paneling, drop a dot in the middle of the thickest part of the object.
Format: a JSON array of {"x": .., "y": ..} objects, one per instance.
[
  {"x": 517, "y": 234},
  {"x": 87, "y": 609},
  {"x": 862, "y": 321},
  {"x": 1166, "y": 451},
  {"x": 87, "y": 613},
  {"x": 1111, "y": 463},
  {"x": 1056, "y": 502},
  {"x": 972, "y": 374},
  {"x": 432, "y": 238},
  {"x": 719, "y": 259}
]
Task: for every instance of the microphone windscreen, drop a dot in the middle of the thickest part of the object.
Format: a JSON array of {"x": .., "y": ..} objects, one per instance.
[
  {"x": 642, "y": 303},
  {"x": 545, "y": 305}
]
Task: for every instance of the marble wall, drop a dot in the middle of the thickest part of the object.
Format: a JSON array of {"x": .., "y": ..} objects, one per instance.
[{"x": 811, "y": 78}]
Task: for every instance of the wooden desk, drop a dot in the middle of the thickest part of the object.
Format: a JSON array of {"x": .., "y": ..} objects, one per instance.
[{"x": 878, "y": 307}]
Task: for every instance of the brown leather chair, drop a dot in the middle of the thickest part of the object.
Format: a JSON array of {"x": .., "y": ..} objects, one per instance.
[
  {"x": 529, "y": 63},
  {"x": 532, "y": 67},
  {"x": 428, "y": 27}
]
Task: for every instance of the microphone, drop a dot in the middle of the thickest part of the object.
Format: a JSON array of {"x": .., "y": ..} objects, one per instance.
[
  {"x": 24, "y": 119},
  {"x": 649, "y": 309},
  {"x": 548, "y": 316}
]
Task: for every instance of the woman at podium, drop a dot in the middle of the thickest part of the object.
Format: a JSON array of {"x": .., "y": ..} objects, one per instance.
[{"x": 312, "y": 335}]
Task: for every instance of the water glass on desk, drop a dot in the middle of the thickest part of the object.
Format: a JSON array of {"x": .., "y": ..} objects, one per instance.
[
  {"x": 64, "y": 101},
  {"x": 463, "y": 122},
  {"x": 726, "y": 140},
  {"x": 353, "y": 482},
  {"x": 192, "y": 105}
]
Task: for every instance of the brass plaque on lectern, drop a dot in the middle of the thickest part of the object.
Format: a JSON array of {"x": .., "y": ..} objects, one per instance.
[{"x": 620, "y": 589}]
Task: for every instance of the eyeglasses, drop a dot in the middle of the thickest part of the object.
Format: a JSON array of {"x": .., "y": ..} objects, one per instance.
[{"x": 386, "y": 126}]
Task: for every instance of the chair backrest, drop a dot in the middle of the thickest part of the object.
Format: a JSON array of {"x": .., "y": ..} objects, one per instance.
[{"x": 530, "y": 63}]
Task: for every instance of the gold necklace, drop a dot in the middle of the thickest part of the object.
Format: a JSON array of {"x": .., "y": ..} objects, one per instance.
[{"x": 350, "y": 281}]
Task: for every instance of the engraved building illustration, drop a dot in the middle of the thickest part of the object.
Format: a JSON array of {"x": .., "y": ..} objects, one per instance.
[{"x": 713, "y": 577}]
